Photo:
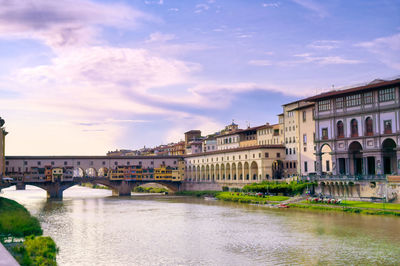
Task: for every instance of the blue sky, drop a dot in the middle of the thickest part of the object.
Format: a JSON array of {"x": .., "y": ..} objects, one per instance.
[{"x": 87, "y": 76}]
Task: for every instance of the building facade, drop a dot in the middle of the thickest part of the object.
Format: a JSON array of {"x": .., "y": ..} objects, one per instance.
[
  {"x": 236, "y": 166},
  {"x": 360, "y": 129},
  {"x": 3, "y": 134}
]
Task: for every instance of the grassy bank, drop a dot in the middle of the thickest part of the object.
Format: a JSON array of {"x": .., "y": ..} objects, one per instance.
[
  {"x": 352, "y": 207},
  {"x": 200, "y": 193},
  {"x": 293, "y": 188},
  {"x": 16, "y": 223},
  {"x": 245, "y": 198},
  {"x": 90, "y": 185},
  {"x": 141, "y": 189}
]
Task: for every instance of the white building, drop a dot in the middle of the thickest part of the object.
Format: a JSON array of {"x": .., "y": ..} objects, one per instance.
[{"x": 360, "y": 128}]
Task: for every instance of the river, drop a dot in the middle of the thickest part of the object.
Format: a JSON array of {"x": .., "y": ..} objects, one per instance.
[{"x": 93, "y": 228}]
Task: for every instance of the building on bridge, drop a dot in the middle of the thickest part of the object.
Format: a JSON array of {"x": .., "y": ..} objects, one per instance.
[
  {"x": 3, "y": 134},
  {"x": 360, "y": 128},
  {"x": 85, "y": 165}
]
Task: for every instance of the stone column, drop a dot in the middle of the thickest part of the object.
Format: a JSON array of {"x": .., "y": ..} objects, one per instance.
[
  {"x": 347, "y": 160},
  {"x": 398, "y": 162},
  {"x": 318, "y": 157}
]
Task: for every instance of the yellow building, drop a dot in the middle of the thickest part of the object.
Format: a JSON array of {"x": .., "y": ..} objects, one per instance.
[
  {"x": 117, "y": 173},
  {"x": 179, "y": 173},
  {"x": 57, "y": 174},
  {"x": 163, "y": 173}
]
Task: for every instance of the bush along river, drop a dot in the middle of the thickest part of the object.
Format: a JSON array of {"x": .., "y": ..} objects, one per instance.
[
  {"x": 91, "y": 227},
  {"x": 21, "y": 234}
]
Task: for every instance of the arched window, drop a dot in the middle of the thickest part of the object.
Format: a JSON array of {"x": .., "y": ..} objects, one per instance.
[
  {"x": 290, "y": 150},
  {"x": 354, "y": 128},
  {"x": 340, "y": 129},
  {"x": 368, "y": 127}
]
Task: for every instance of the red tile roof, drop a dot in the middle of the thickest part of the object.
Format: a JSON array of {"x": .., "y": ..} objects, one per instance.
[{"x": 367, "y": 87}]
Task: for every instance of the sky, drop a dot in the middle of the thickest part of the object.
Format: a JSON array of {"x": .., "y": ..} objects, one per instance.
[{"x": 83, "y": 77}]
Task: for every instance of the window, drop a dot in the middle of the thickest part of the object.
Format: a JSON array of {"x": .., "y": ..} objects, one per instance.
[
  {"x": 115, "y": 163},
  {"x": 368, "y": 98},
  {"x": 287, "y": 151},
  {"x": 386, "y": 95},
  {"x": 290, "y": 150},
  {"x": 340, "y": 129},
  {"x": 327, "y": 166},
  {"x": 294, "y": 150},
  {"x": 287, "y": 165},
  {"x": 78, "y": 163},
  {"x": 290, "y": 164},
  {"x": 304, "y": 116},
  {"x": 368, "y": 127},
  {"x": 65, "y": 163},
  {"x": 387, "y": 125},
  {"x": 52, "y": 163},
  {"x": 305, "y": 167},
  {"x": 354, "y": 128},
  {"x": 266, "y": 155},
  {"x": 91, "y": 162},
  {"x": 259, "y": 155},
  {"x": 339, "y": 103},
  {"x": 128, "y": 163},
  {"x": 38, "y": 163},
  {"x": 294, "y": 164},
  {"x": 290, "y": 114},
  {"x": 104, "y": 163},
  {"x": 25, "y": 163},
  {"x": 324, "y": 105},
  {"x": 325, "y": 133},
  {"x": 278, "y": 155},
  {"x": 305, "y": 139},
  {"x": 353, "y": 100}
]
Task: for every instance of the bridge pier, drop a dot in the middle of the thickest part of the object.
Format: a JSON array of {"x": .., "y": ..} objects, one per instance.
[
  {"x": 54, "y": 194},
  {"x": 20, "y": 186},
  {"x": 124, "y": 189}
]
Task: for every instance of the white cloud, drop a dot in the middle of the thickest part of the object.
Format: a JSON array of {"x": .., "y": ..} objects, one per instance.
[
  {"x": 173, "y": 9},
  {"x": 160, "y": 37},
  {"x": 313, "y": 6},
  {"x": 387, "y": 49},
  {"x": 260, "y": 63},
  {"x": 274, "y": 5},
  {"x": 324, "y": 45},
  {"x": 201, "y": 7},
  {"x": 64, "y": 22}
]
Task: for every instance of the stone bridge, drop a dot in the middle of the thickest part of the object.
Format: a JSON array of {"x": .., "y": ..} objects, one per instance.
[{"x": 119, "y": 187}]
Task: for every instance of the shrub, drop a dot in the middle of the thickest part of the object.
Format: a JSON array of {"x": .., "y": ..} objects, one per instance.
[{"x": 225, "y": 188}]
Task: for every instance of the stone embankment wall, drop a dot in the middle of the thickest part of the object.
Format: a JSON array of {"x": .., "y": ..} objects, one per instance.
[{"x": 361, "y": 190}]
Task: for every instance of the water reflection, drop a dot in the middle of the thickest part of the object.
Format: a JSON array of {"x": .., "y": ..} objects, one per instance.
[{"x": 93, "y": 228}]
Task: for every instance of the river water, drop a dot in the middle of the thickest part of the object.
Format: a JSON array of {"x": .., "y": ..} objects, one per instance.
[{"x": 93, "y": 228}]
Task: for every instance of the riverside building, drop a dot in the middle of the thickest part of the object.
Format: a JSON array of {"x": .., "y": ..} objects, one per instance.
[{"x": 360, "y": 128}]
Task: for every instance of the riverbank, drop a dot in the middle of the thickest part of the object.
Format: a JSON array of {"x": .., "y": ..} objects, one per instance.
[
  {"x": 250, "y": 198},
  {"x": 359, "y": 207},
  {"x": 20, "y": 233}
]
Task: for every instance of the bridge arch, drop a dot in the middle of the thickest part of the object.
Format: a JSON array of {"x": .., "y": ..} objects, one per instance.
[
  {"x": 78, "y": 172},
  {"x": 91, "y": 172}
]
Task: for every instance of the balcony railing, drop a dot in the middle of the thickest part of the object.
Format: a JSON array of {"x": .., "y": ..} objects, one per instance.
[{"x": 347, "y": 177}]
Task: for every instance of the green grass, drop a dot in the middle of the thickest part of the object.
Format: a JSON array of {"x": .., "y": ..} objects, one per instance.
[
  {"x": 198, "y": 193},
  {"x": 36, "y": 251},
  {"x": 141, "y": 189},
  {"x": 244, "y": 198},
  {"x": 371, "y": 205},
  {"x": 293, "y": 188},
  {"x": 343, "y": 208},
  {"x": 16, "y": 221}
]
